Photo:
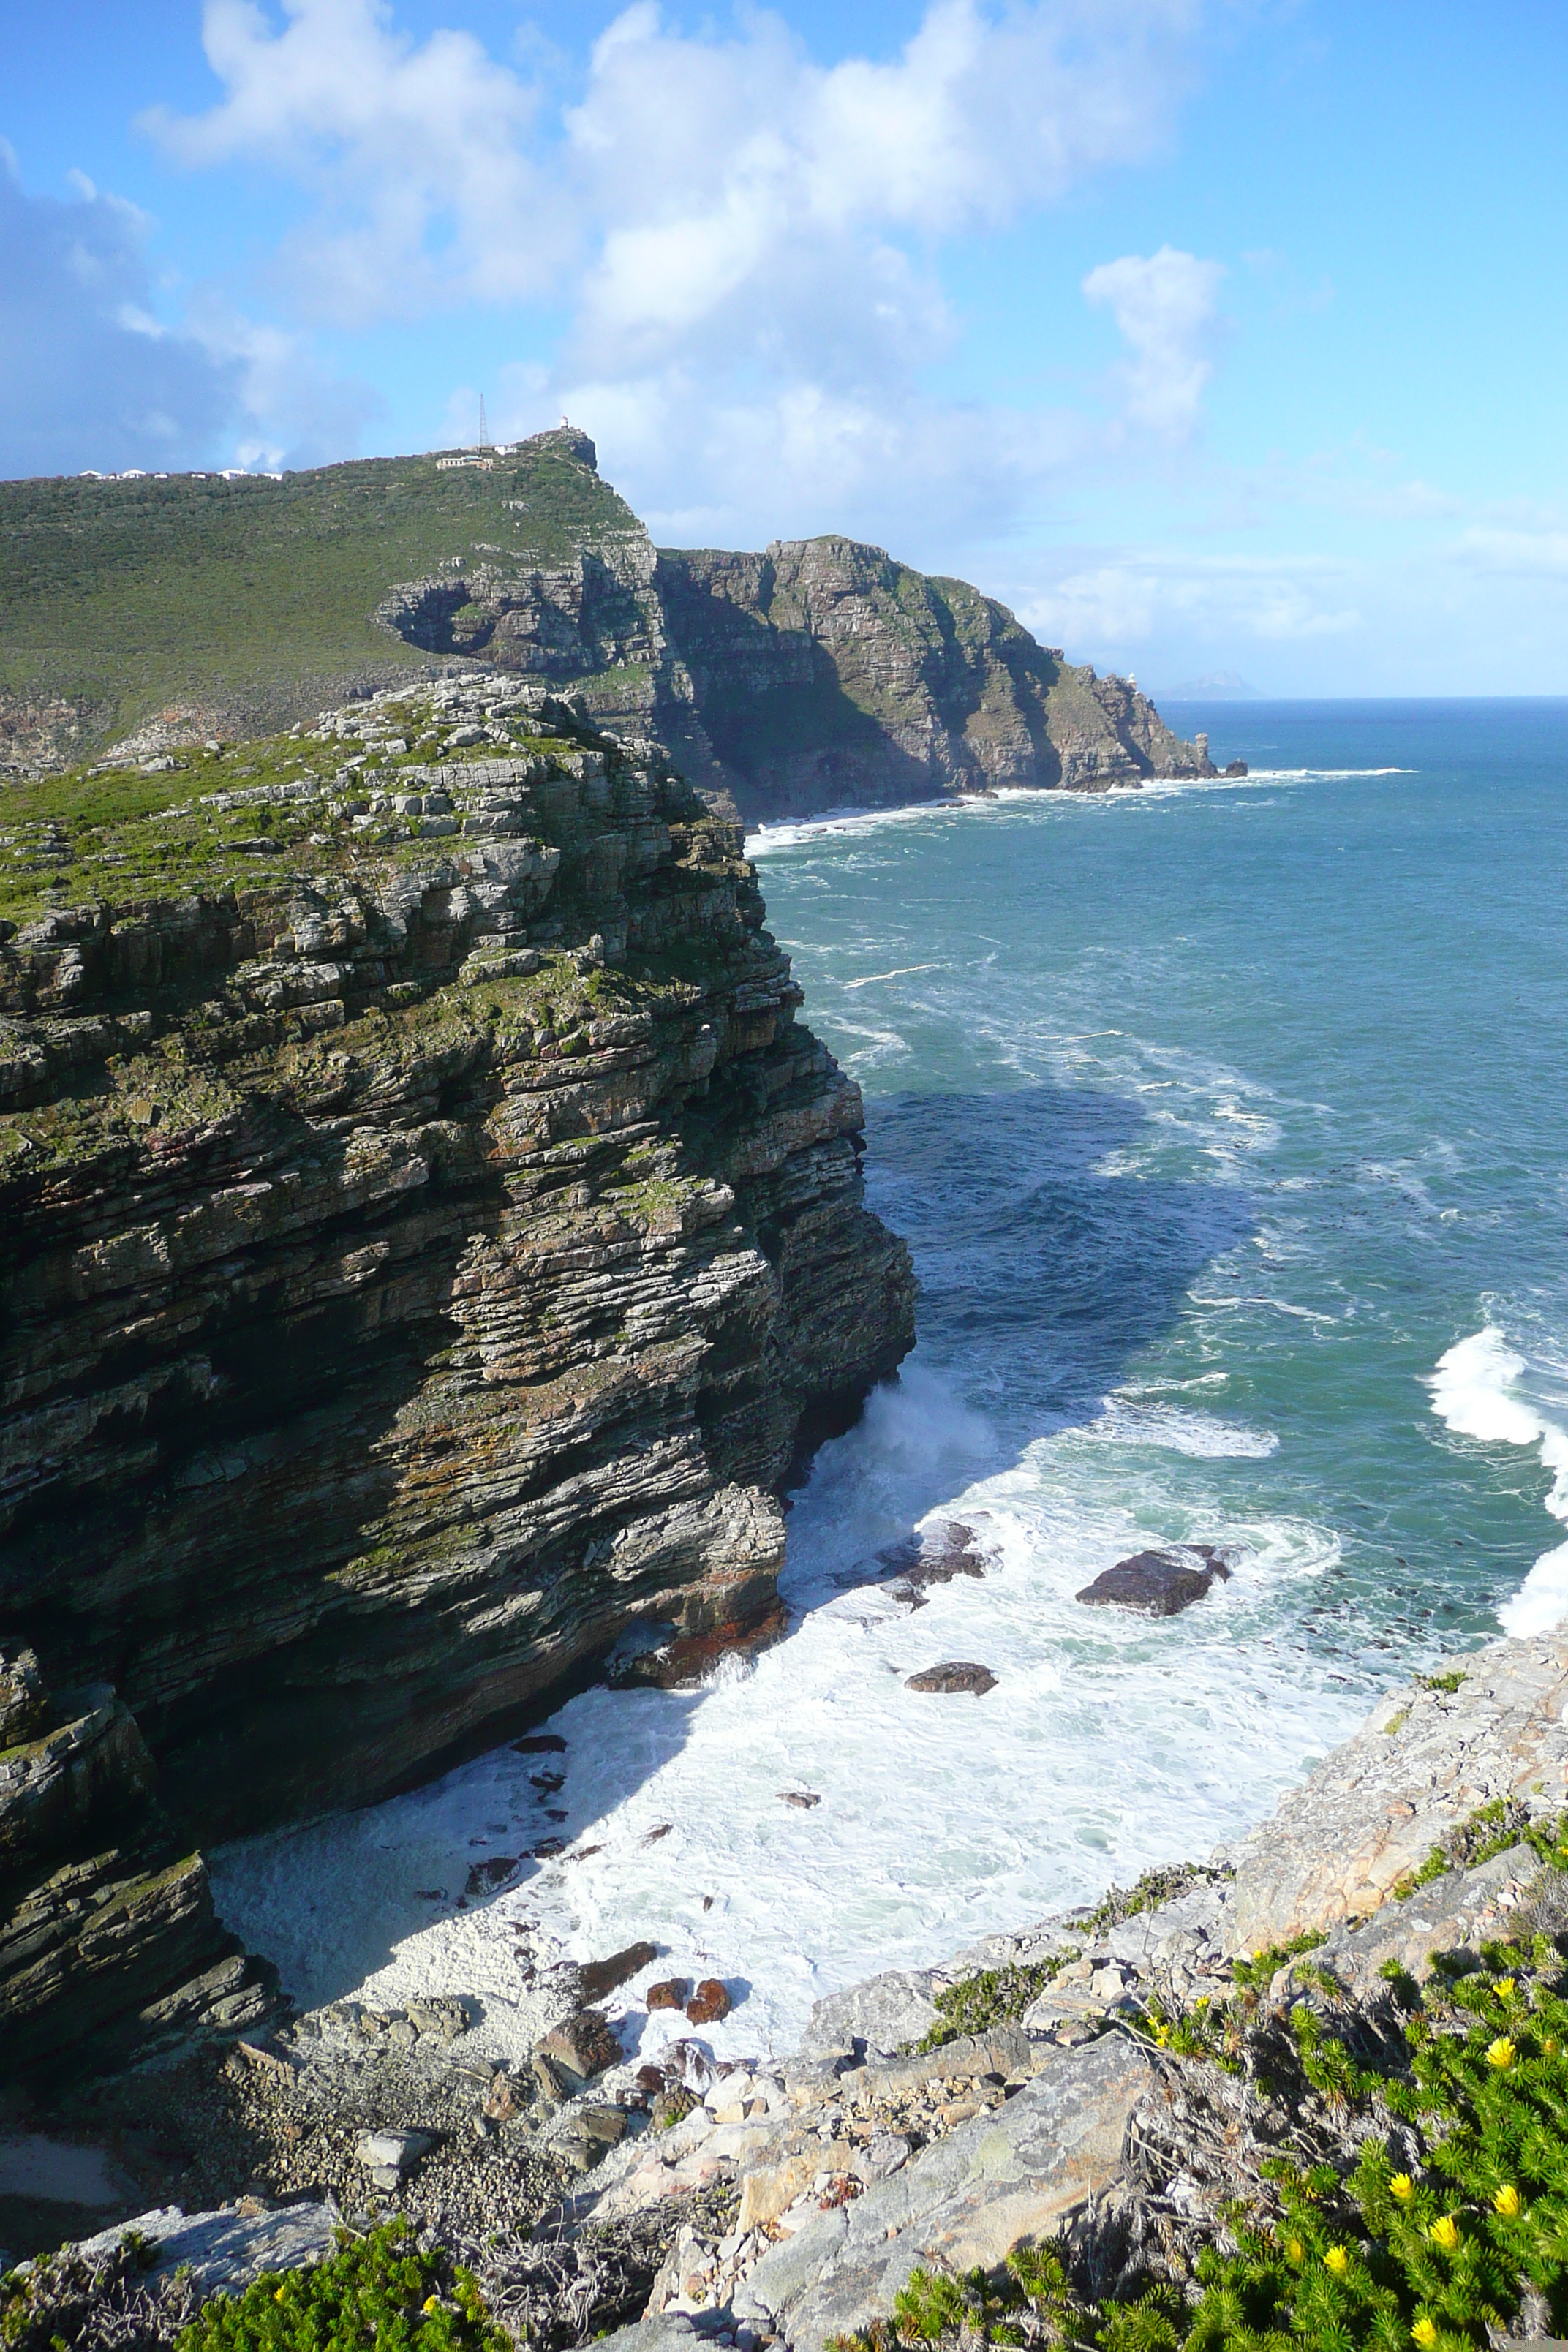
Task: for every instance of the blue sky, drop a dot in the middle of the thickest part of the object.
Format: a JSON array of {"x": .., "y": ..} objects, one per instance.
[{"x": 1210, "y": 334}]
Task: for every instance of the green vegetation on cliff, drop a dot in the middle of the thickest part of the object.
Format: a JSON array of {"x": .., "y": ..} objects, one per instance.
[
  {"x": 134, "y": 595},
  {"x": 819, "y": 673}
]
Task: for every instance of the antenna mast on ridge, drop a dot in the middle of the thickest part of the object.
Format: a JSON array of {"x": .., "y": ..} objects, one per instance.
[{"x": 484, "y": 433}]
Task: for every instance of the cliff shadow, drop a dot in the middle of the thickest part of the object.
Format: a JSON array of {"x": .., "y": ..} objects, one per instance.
[
  {"x": 444, "y": 1855},
  {"x": 1048, "y": 1261}
]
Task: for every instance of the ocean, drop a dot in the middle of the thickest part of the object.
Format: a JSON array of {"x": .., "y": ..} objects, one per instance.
[{"x": 1227, "y": 1124}]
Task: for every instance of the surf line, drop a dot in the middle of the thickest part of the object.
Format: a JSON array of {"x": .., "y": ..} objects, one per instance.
[{"x": 902, "y": 972}]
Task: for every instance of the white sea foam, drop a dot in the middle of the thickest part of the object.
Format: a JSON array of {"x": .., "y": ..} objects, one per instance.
[
  {"x": 1109, "y": 1742},
  {"x": 1177, "y": 1428},
  {"x": 1477, "y": 1392},
  {"x": 851, "y": 823}
]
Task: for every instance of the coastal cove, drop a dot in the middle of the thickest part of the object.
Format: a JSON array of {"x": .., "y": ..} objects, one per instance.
[{"x": 1223, "y": 1121}]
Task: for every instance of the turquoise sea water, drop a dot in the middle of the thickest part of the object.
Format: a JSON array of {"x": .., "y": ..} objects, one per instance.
[
  {"x": 1228, "y": 1128},
  {"x": 1253, "y": 1093}
]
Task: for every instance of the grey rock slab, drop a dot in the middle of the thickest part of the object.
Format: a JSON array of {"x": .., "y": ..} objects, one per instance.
[
  {"x": 227, "y": 2249},
  {"x": 388, "y": 2155},
  {"x": 1190, "y": 1928},
  {"x": 875, "y": 2017},
  {"x": 1007, "y": 2177},
  {"x": 1005, "y": 2051},
  {"x": 1463, "y": 1906},
  {"x": 1422, "y": 1764},
  {"x": 671, "y": 2331}
]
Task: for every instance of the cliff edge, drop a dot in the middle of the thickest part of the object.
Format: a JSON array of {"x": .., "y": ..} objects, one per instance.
[
  {"x": 431, "y": 1235},
  {"x": 820, "y": 674}
]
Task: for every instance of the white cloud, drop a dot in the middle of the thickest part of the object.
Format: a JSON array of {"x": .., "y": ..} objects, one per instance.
[
  {"x": 415, "y": 152},
  {"x": 745, "y": 240},
  {"x": 734, "y": 463},
  {"x": 91, "y": 377},
  {"x": 1540, "y": 554},
  {"x": 1165, "y": 306},
  {"x": 1129, "y": 603},
  {"x": 88, "y": 375}
]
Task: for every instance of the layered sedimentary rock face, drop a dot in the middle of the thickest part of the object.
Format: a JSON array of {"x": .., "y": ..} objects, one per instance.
[
  {"x": 824, "y": 672},
  {"x": 431, "y": 1233},
  {"x": 820, "y": 674}
]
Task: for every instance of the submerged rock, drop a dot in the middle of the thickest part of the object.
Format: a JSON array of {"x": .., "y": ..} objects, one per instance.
[
  {"x": 935, "y": 1556},
  {"x": 597, "y": 1977},
  {"x": 1157, "y": 1583}
]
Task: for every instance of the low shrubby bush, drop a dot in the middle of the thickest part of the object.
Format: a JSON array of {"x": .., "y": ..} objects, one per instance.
[
  {"x": 386, "y": 2291},
  {"x": 1446, "y": 2249}
]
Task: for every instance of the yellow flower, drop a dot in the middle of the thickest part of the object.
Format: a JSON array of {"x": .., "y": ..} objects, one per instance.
[
  {"x": 1509, "y": 2202},
  {"x": 1444, "y": 2233},
  {"x": 278, "y": 2295},
  {"x": 1501, "y": 2053},
  {"x": 1295, "y": 2251},
  {"x": 1402, "y": 2187},
  {"x": 432, "y": 2302},
  {"x": 1338, "y": 2260},
  {"x": 1426, "y": 2333},
  {"x": 1550, "y": 2045},
  {"x": 1503, "y": 1987}
]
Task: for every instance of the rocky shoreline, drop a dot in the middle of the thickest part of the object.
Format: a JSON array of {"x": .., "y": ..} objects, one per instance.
[
  {"x": 1040, "y": 2085},
  {"x": 434, "y": 1242}
]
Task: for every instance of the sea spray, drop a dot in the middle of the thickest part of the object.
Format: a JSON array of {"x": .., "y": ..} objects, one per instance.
[{"x": 1485, "y": 1388}]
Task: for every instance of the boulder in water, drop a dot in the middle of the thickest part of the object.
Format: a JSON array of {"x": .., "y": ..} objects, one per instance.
[
  {"x": 597, "y": 1977},
  {"x": 709, "y": 2003},
  {"x": 1157, "y": 1583},
  {"x": 957, "y": 1674}
]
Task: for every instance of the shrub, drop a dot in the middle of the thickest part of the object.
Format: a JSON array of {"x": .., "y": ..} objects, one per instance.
[
  {"x": 1353, "y": 2256},
  {"x": 382, "y": 2293},
  {"x": 993, "y": 1997}
]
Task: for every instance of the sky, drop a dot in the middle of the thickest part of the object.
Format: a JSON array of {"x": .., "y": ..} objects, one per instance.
[{"x": 1210, "y": 335}]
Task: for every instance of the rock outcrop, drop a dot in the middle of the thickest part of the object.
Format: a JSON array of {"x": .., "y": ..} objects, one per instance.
[
  {"x": 821, "y": 674},
  {"x": 825, "y": 673},
  {"x": 108, "y": 1935},
  {"x": 1490, "y": 1734},
  {"x": 431, "y": 1235},
  {"x": 1056, "y": 2087}
]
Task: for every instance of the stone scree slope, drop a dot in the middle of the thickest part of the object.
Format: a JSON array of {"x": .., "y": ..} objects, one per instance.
[{"x": 426, "y": 1254}]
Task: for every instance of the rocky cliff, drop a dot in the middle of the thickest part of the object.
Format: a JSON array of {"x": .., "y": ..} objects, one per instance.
[
  {"x": 431, "y": 1235},
  {"x": 820, "y": 674}
]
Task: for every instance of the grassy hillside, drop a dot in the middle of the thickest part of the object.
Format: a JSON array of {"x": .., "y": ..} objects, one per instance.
[{"x": 131, "y": 594}]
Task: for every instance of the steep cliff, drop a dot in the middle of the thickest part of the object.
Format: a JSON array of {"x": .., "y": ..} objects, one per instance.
[
  {"x": 824, "y": 672},
  {"x": 818, "y": 674},
  {"x": 430, "y": 1235}
]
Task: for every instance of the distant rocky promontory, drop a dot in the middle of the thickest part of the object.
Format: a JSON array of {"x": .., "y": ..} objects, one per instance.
[{"x": 819, "y": 674}]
